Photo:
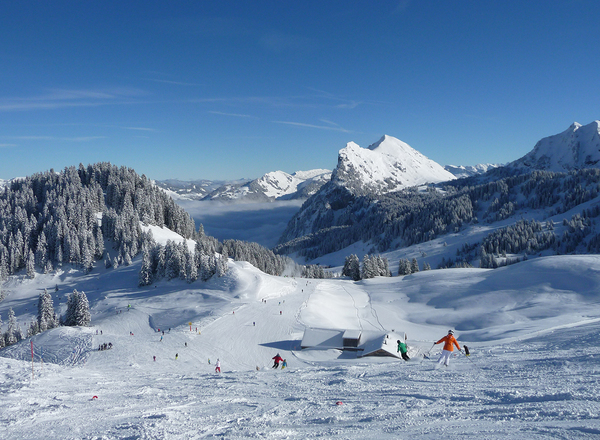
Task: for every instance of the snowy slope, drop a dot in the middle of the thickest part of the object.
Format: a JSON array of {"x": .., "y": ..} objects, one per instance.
[
  {"x": 532, "y": 329},
  {"x": 387, "y": 165},
  {"x": 575, "y": 148}
]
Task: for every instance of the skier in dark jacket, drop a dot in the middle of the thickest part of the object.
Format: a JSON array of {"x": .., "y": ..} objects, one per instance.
[
  {"x": 403, "y": 349},
  {"x": 276, "y": 360}
]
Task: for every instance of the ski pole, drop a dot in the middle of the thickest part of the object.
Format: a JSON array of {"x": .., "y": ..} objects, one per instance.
[
  {"x": 471, "y": 360},
  {"x": 427, "y": 355}
]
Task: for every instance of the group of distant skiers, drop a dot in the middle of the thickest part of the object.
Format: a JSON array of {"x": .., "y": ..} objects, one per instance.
[{"x": 105, "y": 346}]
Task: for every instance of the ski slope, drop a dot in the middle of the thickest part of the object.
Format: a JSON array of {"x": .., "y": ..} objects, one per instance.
[{"x": 533, "y": 373}]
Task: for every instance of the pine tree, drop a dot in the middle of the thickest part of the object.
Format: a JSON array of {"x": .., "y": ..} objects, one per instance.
[
  {"x": 30, "y": 264},
  {"x": 45, "y": 318},
  {"x": 222, "y": 266},
  {"x": 414, "y": 266},
  {"x": 78, "y": 310},
  {"x": 352, "y": 267},
  {"x": 145, "y": 276},
  {"x": 83, "y": 311},
  {"x": 13, "y": 332},
  {"x": 404, "y": 267}
]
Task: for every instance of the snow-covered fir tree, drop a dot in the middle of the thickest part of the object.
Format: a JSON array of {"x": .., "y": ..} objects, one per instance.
[
  {"x": 404, "y": 267},
  {"x": 78, "y": 310},
  {"x": 414, "y": 266},
  {"x": 13, "y": 332},
  {"x": 352, "y": 267},
  {"x": 46, "y": 314}
]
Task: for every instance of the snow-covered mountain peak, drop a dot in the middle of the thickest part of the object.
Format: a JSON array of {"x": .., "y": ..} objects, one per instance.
[
  {"x": 391, "y": 146},
  {"x": 575, "y": 148},
  {"x": 387, "y": 165}
]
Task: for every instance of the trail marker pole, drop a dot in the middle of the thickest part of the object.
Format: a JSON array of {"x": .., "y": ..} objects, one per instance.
[{"x": 31, "y": 359}]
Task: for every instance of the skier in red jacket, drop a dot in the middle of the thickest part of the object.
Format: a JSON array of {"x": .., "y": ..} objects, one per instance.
[
  {"x": 277, "y": 359},
  {"x": 449, "y": 342}
]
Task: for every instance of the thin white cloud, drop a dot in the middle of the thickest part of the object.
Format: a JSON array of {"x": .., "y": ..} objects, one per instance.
[
  {"x": 7, "y": 145},
  {"x": 55, "y": 138},
  {"x": 138, "y": 128},
  {"x": 62, "y": 98},
  {"x": 321, "y": 127},
  {"x": 177, "y": 83},
  {"x": 327, "y": 121},
  {"x": 231, "y": 114}
]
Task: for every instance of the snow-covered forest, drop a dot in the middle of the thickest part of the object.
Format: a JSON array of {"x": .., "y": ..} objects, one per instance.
[{"x": 415, "y": 215}]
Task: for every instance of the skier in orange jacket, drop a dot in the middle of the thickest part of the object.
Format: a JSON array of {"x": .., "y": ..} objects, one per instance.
[{"x": 449, "y": 341}]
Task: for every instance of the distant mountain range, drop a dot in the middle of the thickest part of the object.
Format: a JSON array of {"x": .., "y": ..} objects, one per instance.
[
  {"x": 276, "y": 185},
  {"x": 471, "y": 170},
  {"x": 387, "y": 165}
]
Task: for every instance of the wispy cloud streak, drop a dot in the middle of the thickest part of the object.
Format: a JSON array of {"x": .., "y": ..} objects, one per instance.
[
  {"x": 320, "y": 127},
  {"x": 231, "y": 114},
  {"x": 63, "y": 98}
]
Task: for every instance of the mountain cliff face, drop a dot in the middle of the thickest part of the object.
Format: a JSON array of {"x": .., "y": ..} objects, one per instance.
[
  {"x": 575, "y": 148},
  {"x": 386, "y": 166}
]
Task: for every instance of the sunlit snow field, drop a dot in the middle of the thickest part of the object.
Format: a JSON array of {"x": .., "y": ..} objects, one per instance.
[{"x": 533, "y": 371}]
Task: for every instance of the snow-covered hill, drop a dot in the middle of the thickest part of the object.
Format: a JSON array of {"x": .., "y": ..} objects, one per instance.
[
  {"x": 385, "y": 166},
  {"x": 575, "y": 148},
  {"x": 531, "y": 329},
  {"x": 276, "y": 185}
]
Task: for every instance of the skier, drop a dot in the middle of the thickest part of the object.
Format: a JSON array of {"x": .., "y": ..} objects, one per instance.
[
  {"x": 218, "y": 366},
  {"x": 449, "y": 341},
  {"x": 276, "y": 360},
  {"x": 176, "y": 356},
  {"x": 403, "y": 350},
  {"x": 284, "y": 364},
  {"x": 154, "y": 357}
]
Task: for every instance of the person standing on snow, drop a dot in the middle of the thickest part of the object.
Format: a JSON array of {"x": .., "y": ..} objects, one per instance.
[
  {"x": 449, "y": 341},
  {"x": 218, "y": 366},
  {"x": 403, "y": 350},
  {"x": 284, "y": 364},
  {"x": 276, "y": 360}
]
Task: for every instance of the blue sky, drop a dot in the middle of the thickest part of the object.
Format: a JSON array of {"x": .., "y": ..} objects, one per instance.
[{"x": 231, "y": 89}]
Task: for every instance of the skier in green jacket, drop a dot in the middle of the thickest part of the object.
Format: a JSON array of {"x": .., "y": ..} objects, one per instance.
[{"x": 403, "y": 349}]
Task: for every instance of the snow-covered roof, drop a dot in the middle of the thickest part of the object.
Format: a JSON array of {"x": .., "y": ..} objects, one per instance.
[
  {"x": 370, "y": 343},
  {"x": 322, "y": 338}
]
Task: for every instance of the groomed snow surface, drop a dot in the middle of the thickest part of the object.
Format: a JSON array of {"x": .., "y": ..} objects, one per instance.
[{"x": 533, "y": 373}]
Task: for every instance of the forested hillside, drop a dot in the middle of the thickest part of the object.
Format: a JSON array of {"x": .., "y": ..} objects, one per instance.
[
  {"x": 413, "y": 215},
  {"x": 53, "y": 218}
]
